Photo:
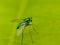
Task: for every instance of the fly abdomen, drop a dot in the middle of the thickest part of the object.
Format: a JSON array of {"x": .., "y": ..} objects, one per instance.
[{"x": 17, "y": 27}]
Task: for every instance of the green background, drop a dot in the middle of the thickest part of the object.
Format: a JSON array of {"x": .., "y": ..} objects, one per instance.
[{"x": 46, "y": 20}]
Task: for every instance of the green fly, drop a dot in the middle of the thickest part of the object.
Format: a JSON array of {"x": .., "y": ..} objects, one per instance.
[{"x": 21, "y": 26}]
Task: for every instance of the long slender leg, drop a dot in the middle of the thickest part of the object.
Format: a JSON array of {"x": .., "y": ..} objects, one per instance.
[
  {"x": 31, "y": 36},
  {"x": 34, "y": 28},
  {"x": 22, "y": 39},
  {"x": 22, "y": 34}
]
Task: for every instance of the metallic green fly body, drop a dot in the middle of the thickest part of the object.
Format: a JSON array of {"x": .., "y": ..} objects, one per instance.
[
  {"x": 21, "y": 26},
  {"x": 25, "y": 22}
]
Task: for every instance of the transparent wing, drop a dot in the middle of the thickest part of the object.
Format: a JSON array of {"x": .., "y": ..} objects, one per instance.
[
  {"x": 20, "y": 30},
  {"x": 16, "y": 20}
]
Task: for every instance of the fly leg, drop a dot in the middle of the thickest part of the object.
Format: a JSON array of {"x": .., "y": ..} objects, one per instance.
[
  {"x": 33, "y": 28},
  {"x": 22, "y": 39},
  {"x": 22, "y": 34},
  {"x": 31, "y": 36}
]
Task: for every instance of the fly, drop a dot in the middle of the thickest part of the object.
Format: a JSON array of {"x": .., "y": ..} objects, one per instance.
[{"x": 21, "y": 26}]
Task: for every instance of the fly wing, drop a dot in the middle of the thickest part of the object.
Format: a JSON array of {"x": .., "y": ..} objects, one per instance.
[
  {"x": 16, "y": 20},
  {"x": 20, "y": 30}
]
